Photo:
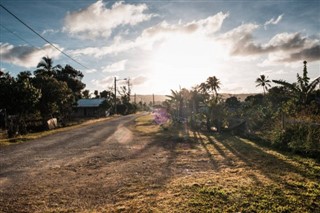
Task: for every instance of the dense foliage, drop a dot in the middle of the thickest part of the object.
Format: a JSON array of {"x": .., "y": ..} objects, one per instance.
[
  {"x": 50, "y": 92},
  {"x": 29, "y": 100},
  {"x": 287, "y": 115}
]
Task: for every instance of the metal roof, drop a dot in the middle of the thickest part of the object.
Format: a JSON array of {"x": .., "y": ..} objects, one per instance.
[{"x": 90, "y": 102}]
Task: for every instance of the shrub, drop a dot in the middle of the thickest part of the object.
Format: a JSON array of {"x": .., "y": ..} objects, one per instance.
[{"x": 299, "y": 137}]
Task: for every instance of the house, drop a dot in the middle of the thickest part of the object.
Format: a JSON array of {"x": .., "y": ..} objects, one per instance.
[{"x": 91, "y": 108}]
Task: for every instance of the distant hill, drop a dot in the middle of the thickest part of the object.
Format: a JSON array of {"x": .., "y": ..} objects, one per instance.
[
  {"x": 241, "y": 97},
  {"x": 158, "y": 99}
]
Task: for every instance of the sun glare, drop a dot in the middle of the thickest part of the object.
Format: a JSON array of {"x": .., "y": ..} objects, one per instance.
[{"x": 185, "y": 61}]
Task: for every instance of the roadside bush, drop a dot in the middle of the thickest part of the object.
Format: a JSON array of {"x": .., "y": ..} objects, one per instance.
[{"x": 301, "y": 138}]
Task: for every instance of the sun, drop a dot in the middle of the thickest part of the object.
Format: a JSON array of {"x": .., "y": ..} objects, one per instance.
[{"x": 185, "y": 60}]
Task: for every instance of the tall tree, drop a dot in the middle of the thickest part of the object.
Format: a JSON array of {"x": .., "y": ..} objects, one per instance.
[
  {"x": 56, "y": 99},
  {"x": 177, "y": 100},
  {"x": 106, "y": 94},
  {"x": 45, "y": 67},
  {"x": 213, "y": 84},
  {"x": 263, "y": 82},
  {"x": 72, "y": 77},
  {"x": 96, "y": 93},
  {"x": 302, "y": 89},
  {"x": 86, "y": 94},
  {"x": 7, "y": 83}
]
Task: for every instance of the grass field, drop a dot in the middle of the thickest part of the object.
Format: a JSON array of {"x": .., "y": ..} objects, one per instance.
[
  {"x": 225, "y": 173},
  {"x": 31, "y": 136}
]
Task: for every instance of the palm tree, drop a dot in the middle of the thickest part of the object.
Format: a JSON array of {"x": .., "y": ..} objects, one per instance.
[
  {"x": 213, "y": 84},
  {"x": 45, "y": 67},
  {"x": 263, "y": 82},
  {"x": 177, "y": 99},
  {"x": 302, "y": 89}
]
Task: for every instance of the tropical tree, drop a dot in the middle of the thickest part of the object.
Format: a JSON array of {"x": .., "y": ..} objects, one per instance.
[
  {"x": 108, "y": 95},
  {"x": 263, "y": 82},
  {"x": 213, "y": 84},
  {"x": 45, "y": 67},
  {"x": 6, "y": 92},
  {"x": 27, "y": 95},
  {"x": 72, "y": 77},
  {"x": 86, "y": 94},
  {"x": 96, "y": 93},
  {"x": 60, "y": 88},
  {"x": 209, "y": 97},
  {"x": 177, "y": 100},
  {"x": 56, "y": 100},
  {"x": 302, "y": 89}
]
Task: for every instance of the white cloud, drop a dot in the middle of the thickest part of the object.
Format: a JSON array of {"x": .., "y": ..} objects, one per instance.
[
  {"x": 115, "y": 67},
  {"x": 288, "y": 41},
  {"x": 105, "y": 82},
  {"x": 108, "y": 82},
  {"x": 26, "y": 56},
  {"x": 283, "y": 47},
  {"x": 90, "y": 71},
  {"x": 99, "y": 21},
  {"x": 158, "y": 33},
  {"x": 49, "y": 31},
  {"x": 273, "y": 21},
  {"x": 138, "y": 80},
  {"x": 274, "y": 72},
  {"x": 240, "y": 40},
  {"x": 208, "y": 26}
]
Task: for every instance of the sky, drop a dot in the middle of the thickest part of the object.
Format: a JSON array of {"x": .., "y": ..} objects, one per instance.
[{"x": 164, "y": 45}]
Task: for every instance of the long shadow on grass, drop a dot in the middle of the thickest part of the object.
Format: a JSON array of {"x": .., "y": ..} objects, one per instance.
[
  {"x": 199, "y": 139},
  {"x": 256, "y": 158}
]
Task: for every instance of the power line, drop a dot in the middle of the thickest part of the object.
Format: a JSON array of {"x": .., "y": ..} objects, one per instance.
[
  {"x": 15, "y": 34},
  {"x": 42, "y": 37}
]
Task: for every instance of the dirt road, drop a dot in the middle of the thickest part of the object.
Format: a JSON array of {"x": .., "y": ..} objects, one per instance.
[{"x": 71, "y": 171}]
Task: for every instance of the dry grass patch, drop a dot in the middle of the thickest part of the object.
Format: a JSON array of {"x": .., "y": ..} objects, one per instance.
[
  {"x": 31, "y": 136},
  {"x": 224, "y": 173}
]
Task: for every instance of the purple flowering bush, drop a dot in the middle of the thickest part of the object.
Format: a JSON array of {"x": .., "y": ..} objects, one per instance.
[{"x": 161, "y": 116}]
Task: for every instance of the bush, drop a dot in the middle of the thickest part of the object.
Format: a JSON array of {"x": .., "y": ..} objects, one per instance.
[{"x": 300, "y": 137}]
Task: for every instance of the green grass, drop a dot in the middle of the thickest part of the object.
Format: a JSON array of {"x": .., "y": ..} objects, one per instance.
[
  {"x": 244, "y": 176},
  {"x": 31, "y": 136}
]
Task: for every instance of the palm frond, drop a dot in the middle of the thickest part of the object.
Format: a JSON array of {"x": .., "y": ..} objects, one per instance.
[
  {"x": 313, "y": 85},
  {"x": 292, "y": 87}
]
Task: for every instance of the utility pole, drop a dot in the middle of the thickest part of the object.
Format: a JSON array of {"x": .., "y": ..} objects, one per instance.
[
  {"x": 115, "y": 93},
  {"x": 129, "y": 89},
  {"x": 152, "y": 99}
]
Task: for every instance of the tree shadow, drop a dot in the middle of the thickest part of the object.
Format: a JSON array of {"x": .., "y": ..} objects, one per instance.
[
  {"x": 259, "y": 158},
  {"x": 213, "y": 162}
]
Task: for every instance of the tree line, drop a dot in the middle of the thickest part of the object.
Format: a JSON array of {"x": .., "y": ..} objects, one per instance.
[
  {"x": 51, "y": 91},
  {"x": 286, "y": 115}
]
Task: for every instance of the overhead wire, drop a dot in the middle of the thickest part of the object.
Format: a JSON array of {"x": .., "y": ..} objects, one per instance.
[
  {"x": 30, "y": 28},
  {"x": 17, "y": 35}
]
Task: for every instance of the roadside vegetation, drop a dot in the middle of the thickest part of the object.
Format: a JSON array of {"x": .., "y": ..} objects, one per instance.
[
  {"x": 286, "y": 116},
  {"x": 30, "y": 100},
  {"x": 4, "y": 140},
  {"x": 211, "y": 172}
]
